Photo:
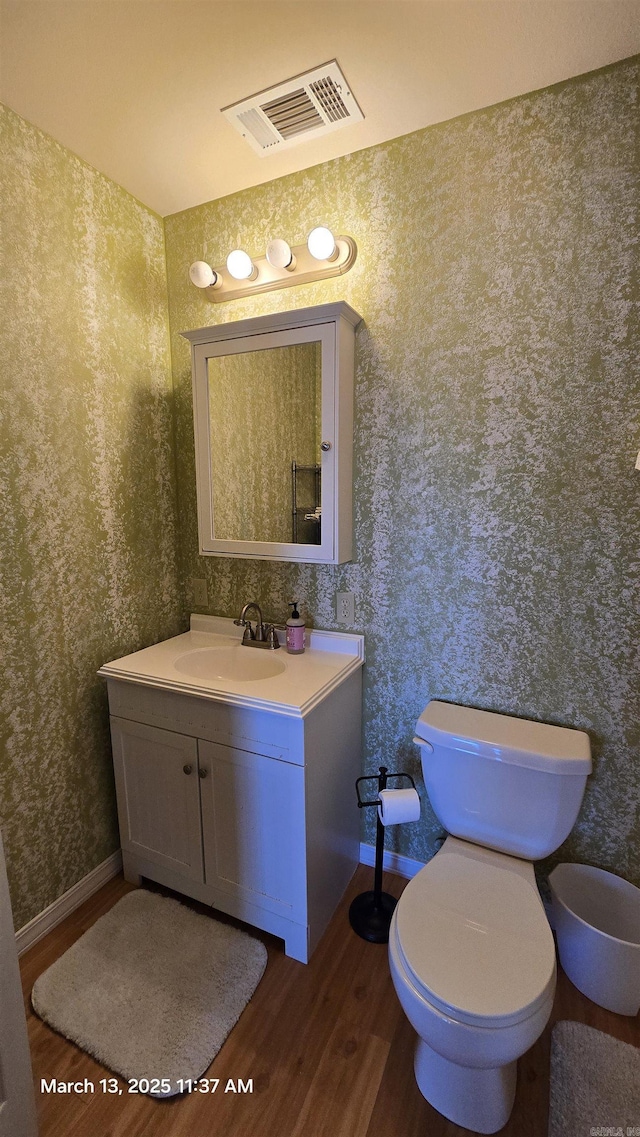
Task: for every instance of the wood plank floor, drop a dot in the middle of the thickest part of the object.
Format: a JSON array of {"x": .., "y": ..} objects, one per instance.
[{"x": 327, "y": 1046}]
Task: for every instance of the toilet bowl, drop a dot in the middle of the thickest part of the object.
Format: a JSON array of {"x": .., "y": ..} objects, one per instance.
[
  {"x": 473, "y": 963},
  {"x": 471, "y": 953}
]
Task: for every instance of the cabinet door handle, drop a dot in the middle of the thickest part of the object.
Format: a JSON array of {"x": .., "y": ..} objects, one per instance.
[
  {"x": 202, "y": 772},
  {"x": 187, "y": 769}
]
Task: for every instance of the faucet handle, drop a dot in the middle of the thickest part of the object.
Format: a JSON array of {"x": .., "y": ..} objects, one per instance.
[
  {"x": 272, "y": 636},
  {"x": 249, "y": 633}
]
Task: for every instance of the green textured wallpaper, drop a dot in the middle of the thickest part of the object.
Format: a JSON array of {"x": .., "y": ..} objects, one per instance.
[
  {"x": 497, "y": 509},
  {"x": 87, "y": 496}
]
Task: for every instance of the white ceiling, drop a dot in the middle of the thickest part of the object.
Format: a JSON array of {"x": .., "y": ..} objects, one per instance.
[{"x": 135, "y": 86}]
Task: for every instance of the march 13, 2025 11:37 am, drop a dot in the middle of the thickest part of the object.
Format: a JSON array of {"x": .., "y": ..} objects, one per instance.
[{"x": 154, "y": 1086}]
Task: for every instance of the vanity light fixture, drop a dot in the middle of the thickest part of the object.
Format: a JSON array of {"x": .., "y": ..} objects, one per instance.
[{"x": 322, "y": 255}]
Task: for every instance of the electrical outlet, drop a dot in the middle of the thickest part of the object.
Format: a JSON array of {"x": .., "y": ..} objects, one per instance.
[
  {"x": 199, "y": 592},
  {"x": 345, "y": 607}
]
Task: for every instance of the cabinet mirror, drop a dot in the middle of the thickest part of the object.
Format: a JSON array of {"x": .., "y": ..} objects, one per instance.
[{"x": 273, "y": 421}]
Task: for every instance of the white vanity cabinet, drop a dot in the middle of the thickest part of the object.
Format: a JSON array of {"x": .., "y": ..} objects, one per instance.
[{"x": 249, "y": 809}]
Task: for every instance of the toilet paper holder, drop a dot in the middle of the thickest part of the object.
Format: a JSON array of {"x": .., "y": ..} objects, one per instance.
[
  {"x": 382, "y": 779},
  {"x": 370, "y": 913}
]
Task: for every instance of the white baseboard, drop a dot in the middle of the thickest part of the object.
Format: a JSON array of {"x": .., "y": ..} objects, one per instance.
[
  {"x": 392, "y": 862},
  {"x": 47, "y": 920}
]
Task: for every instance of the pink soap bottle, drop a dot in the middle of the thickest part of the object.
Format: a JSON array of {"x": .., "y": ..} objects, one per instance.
[{"x": 295, "y": 631}]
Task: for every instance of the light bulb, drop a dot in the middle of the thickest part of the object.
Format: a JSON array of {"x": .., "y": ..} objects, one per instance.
[
  {"x": 279, "y": 254},
  {"x": 202, "y": 275},
  {"x": 240, "y": 266},
  {"x": 321, "y": 244}
]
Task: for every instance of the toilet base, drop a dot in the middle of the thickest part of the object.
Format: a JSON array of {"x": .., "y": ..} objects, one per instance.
[{"x": 472, "y": 1097}]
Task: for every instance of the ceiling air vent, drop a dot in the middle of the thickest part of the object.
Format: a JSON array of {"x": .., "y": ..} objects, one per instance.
[{"x": 306, "y": 106}]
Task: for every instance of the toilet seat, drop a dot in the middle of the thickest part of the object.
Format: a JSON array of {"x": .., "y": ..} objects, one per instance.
[{"x": 473, "y": 936}]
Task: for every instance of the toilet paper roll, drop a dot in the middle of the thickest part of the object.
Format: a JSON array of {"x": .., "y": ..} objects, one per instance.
[{"x": 398, "y": 805}]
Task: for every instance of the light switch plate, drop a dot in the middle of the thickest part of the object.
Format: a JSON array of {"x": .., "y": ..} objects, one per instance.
[
  {"x": 345, "y": 608},
  {"x": 199, "y": 592}
]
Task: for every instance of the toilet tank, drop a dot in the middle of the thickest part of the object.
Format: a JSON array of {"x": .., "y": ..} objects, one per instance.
[{"x": 507, "y": 783}]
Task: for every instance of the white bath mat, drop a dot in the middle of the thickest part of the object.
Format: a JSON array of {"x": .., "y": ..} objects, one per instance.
[
  {"x": 152, "y": 990},
  {"x": 595, "y": 1083}
]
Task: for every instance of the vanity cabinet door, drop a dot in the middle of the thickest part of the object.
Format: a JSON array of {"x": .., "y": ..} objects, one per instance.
[
  {"x": 253, "y": 829},
  {"x": 156, "y": 775}
]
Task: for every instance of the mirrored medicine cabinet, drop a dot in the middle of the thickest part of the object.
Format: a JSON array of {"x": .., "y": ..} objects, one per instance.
[{"x": 273, "y": 423}]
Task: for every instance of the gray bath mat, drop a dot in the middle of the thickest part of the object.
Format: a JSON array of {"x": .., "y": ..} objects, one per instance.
[
  {"x": 595, "y": 1083},
  {"x": 152, "y": 990}
]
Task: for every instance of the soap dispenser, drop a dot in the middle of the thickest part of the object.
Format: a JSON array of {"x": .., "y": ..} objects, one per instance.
[{"x": 295, "y": 630}]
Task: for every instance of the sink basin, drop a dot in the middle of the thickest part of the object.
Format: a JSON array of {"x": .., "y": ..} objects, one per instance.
[{"x": 243, "y": 664}]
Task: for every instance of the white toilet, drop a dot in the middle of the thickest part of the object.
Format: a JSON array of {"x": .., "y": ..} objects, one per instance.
[{"x": 471, "y": 952}]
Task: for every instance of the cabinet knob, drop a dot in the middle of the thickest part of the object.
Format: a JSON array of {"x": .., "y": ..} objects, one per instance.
[
  {"x": 202, "y": 772},
  {"x": 187, "y": 769}
]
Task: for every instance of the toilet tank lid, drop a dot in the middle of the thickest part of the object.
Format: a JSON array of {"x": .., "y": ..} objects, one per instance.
[{"x": 555, "y": 749}]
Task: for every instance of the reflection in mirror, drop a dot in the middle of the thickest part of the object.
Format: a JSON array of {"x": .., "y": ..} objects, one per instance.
[{"x": 265, "y": 431}]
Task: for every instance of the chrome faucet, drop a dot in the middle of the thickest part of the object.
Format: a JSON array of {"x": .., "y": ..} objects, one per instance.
[{"x": 265, "y": 635}]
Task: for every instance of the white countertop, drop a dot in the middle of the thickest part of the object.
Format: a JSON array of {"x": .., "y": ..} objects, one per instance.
[{"x": 306, "y": 679}]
